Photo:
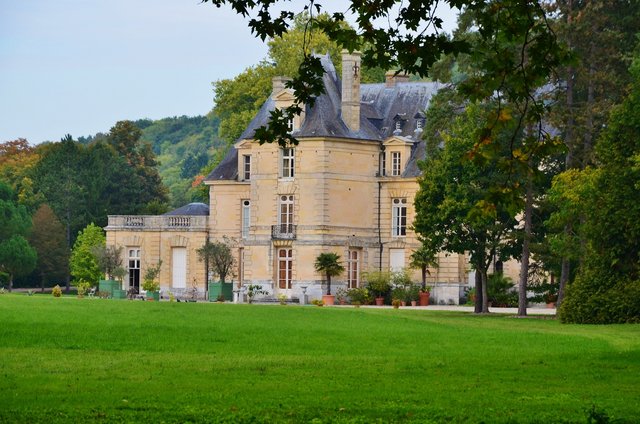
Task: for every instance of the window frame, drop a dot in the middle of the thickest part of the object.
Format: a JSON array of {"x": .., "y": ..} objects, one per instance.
[
  {"x": 285, "y": 263},
  {"x": 399, "y": 217},
  {"x": 246, "y": 167},
  {"x": 287, "y": 162},
  {"x": 353, "y": 268},
  {"x": 396, "y": 164},
  {"x": 245, "y": 218}
]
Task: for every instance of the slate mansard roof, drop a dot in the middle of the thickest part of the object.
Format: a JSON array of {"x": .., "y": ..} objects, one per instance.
[
  {"x": 380, "y": 108},
  {"x": 192, "y": 209}
]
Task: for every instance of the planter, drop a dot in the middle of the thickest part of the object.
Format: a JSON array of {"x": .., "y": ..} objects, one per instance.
[
  {"x": 551, "y": 305},
  {"x": 414, "y": 303},
  {"x": 403, "y": 303},
  {"x": 216, "y": 289},
  {"x": 119, "y": 294},
  {"x": 424, "y": 298},
  {"x": 108, "y": 286},
  {"x": 379, "y": 301},
  {"x": 153, "y": 296},
  {"x": 329, "y": 299}
]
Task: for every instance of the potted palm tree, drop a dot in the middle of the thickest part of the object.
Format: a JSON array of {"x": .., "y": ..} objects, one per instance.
[
  {"x": 422, "y": 259},
  {"x": 329, "y": 265}
]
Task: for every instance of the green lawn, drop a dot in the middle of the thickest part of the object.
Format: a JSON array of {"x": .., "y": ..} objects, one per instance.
[{"x": 79, "y": 360}]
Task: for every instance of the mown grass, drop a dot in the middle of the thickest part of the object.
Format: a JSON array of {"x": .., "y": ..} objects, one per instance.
[{"x": 80, "y": 360}]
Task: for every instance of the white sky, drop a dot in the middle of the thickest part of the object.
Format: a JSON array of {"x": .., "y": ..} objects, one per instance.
[{"x": 79, "y": 66}]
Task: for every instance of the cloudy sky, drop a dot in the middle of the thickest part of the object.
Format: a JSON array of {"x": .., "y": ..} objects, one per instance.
[{"x": 78, "y": 66}]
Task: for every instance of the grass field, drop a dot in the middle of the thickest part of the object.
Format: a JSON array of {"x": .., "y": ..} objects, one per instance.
[{"x": 83, "y": 360}]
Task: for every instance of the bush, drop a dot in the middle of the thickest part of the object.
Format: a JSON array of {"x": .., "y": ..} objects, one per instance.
[
  {"x": 378, "y": 282},
  {"x": 82, "y": 286},
  {"x": 56, "y": 291},
  {"x": 617, "y": 305},
  {"x": 359, "y": 295},
  {"x": 500, "y": 291}
]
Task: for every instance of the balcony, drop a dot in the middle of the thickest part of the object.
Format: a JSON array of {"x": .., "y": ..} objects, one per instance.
[
  {"x": 283, "y": 232},
  {"x": 157, "y": 222}
]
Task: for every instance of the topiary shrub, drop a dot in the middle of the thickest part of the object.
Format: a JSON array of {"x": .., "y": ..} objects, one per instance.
[{"x": 56, "y": 291}]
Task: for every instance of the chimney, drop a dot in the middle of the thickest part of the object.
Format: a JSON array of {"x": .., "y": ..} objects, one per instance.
[
  {"x": 391, "y": 79},
  {"x": 278, "y": 84},
  {"x": 351, "y": 89}
]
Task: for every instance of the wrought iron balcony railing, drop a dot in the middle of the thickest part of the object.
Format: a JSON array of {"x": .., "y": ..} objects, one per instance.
[{"x": 283, "y": 232}]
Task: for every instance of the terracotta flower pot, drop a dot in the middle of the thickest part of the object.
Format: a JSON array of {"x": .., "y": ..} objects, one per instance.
[
  {"x": 379, "y": 301},
  {"x": 329, "y": 299},
  {"x": 414, "y": 303},
  {"x": 424, "y": 298}
]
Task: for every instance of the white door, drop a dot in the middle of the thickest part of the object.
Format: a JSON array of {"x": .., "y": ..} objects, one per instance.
[
  {"x": 396, "y": 259},
  {"x": 179, "y": 267}
]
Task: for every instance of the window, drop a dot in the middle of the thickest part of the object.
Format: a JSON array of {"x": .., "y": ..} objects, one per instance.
[
  {"x": 134, "y": 269},
  {"x": 290, "y": 126},
  {"x": 399, "y": 218},
  {"x": 396, "y": 260},
  {"x": 353, "y": 268},
  {"x": 398, "y": 125},
  {"x": 179, "y": 267},
  {"x": 285, "y": 268},
  {"x": 383, "y": 164},
  {"x": 419, "y": 124},
  {"x": 285, "y": 215},
  {"x": 246, "y": 167},
  {"x": 246, "y": 218},
  {"x": 395, "y": 164},
  {"x": 288, "y": 159}
]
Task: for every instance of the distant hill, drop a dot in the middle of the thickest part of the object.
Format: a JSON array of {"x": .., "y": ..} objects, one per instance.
[{"x": 183, "y": 145}]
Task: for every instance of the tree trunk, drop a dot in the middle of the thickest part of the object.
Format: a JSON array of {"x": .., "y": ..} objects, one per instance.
[
  {"x": 42, "y": 279},
  {"x": 328, "y": 284},
  {"x": 485, "y": 294},
  {"x": 10, "y": 282},
  {"x": 524, "y": 266},
  {"x": 424, "y": 277},
  {"x": 478, "y": 302},
  {"x": 564, "y": 278}
]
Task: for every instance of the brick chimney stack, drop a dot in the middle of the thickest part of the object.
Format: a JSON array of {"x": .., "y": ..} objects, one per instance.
[
  {"x": 391, "y": 79},
  {"x": 351, "y": 89}
]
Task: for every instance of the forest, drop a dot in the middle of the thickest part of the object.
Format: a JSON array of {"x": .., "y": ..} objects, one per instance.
[{"x": 540, "y": 119}]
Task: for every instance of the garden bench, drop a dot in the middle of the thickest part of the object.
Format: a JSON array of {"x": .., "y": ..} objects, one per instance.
[{"x": 92, "y": 292}]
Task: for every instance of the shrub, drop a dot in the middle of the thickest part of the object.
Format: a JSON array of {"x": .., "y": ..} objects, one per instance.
[
  {"x": 500, "y": 291},
  {"x": 317, "y": 302},
  {"x": 82, "y": 286},
  {"x": 360, "y": 295},
  {"x": 378, "y": 282},
  {"x": 56, "y": 291}
]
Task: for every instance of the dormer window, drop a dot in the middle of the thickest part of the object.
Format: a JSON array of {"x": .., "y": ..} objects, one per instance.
[
  {"x": 246, "y": 167},
  {"x": 419, "y": 124},
  {"x": 398, "y": 125},
  {"x": 395, "y": 164}
]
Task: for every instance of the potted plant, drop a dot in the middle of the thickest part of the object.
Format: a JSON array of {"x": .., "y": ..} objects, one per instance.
[
  {"x": 413, "y": 294},
  {"x": 218, "y": 260},
  {"x": 253, "y": 290},
  {"x": 422, "y": 259},
  {"x": 359, "y": 296},
  {"x": 149, "y": 284},
  {"x": 399, "y": 294},
  {"x": 329, "y": 264},
  {"x": 379, "y": 283},
  {"x": 109, "y": 259}
]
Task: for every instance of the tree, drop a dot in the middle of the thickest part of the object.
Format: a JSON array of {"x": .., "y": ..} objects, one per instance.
[
  {"x": 47, "y": 237},
  {"x": 109, "y": 260},
  {"x": 218, "y": 258},
  {"x": 83, "y": 263},
  {"x": 423, "y": 258},
  {"x": 607, "y": 285},
  {"x": 17, "y": 257},
  {"x": 329, "y": 265},
  {"x": 452, "y": 210}
]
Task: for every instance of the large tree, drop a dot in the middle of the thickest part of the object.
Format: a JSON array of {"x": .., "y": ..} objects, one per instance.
[
  {"x": 48, "y": 238},
  {"x": 453, "y": 212},
  {"x": 17, "y": 257}
]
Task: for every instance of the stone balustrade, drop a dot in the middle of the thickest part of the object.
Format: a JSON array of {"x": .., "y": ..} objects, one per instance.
[{"x": 157, "y": 222}]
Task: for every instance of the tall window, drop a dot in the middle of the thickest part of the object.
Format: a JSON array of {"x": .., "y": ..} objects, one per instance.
[
  {"x": 285, "y": 215},
  {"x": 134, "y": 269},
  {"x": 395, "y": 164},
  {"x": 399, "y": 217},
  {"x": 353, "y": 268},
  {"x": 285, "y": 268},
  {"x": 290, "y": 125},
  {"x": 383, "y": 164},
  {"x": 246, "y": 167},
  {"x": 288, "y": 162},
  {"x": 246, "y": 218}
]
